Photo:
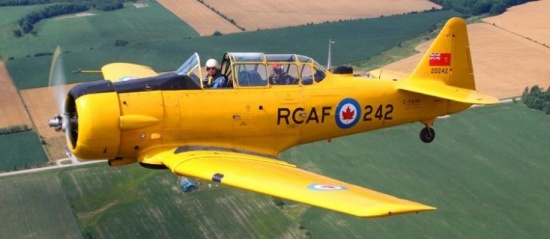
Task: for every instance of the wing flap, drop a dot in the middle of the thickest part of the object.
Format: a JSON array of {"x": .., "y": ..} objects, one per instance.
[
  {"x": 280, "y": 179},
  {"x": 441, "y": 90},
  {"x": 126, "y": 71}
]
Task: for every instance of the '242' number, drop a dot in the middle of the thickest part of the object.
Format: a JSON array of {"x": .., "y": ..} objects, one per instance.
[{"x": 381, "y": 112}]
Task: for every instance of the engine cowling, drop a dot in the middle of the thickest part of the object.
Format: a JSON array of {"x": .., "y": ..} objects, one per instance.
[{"x": 92, "y": 115}]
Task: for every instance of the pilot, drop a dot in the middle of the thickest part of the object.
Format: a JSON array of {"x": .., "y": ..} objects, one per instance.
[
  {"x": 279, "y": 77},
  {"x": 214, "y": 78}
]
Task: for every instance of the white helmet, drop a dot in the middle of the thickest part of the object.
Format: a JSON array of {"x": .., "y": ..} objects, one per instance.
[{"x": 212, "y": 63}]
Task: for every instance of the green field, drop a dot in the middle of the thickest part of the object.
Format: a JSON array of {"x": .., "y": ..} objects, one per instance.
[
  {"x": 34, "y": 206},
  {"x": 165, "y": 49},
  {"x": 99, "y": 30},
  {"x": 20, "y": 151},
  {"x": 486, "y": 172},
  {"x": 145, "y": 203},
  {"x": 8, "y": 23}
]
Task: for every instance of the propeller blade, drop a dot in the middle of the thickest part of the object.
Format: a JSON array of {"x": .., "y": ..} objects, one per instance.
[{"x": 57, "y": 78}]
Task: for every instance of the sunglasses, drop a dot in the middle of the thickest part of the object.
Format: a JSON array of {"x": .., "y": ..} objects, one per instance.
[{"x": 210, "y": 68}]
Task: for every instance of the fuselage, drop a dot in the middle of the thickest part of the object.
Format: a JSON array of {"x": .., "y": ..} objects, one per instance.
[{"x": 264, "y": 120}]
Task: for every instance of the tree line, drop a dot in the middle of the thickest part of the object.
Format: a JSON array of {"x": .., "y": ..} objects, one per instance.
[
  {"x": 478, "y": 7},
  {"x": 26, "y": 2},
  {"x": 12, "y": 129},
  {"x": 537, "y": 98},
  {"x": 26, "y": 24}
]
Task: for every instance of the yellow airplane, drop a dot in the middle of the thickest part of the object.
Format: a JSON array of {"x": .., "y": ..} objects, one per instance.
[{"x": 233, "y": 135}]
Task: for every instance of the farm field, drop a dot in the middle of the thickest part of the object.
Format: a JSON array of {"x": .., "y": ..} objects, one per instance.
[
  {"x": 42, "y": 106},
  {"x": 201, "y": 18},
  {"x": 12, "y": 110},
  {"x": 504, "y": 60},
  {"x": 529, "y": 20},
  {"x": 149, "y": 203},
  {"x": 261, "y": 15},
  {"x": 20, "y": 151},
  {"x": 356, "y": 42},
  {"x": 480, "y": 173},
  {"x": 35, "y": 207},
  {"x": 487, "y": 179},
  {"x": 96, "y": 30},
  {"x": 495, "y": 56}
]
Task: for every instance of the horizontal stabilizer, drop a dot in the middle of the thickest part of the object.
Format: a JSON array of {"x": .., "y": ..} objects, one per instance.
[
  {"x": 280, "y": 179},
  {"x": 126, "y": 71},
  {"x": 440, "y": 90},
  {"x": 386, "y": 74}
]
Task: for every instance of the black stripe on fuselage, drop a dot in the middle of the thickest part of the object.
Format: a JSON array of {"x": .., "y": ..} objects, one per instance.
[{"x": 168, "y": 81}]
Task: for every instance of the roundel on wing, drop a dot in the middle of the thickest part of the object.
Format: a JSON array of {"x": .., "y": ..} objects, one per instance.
[
  {"x": 325, "y": 187},
  {"x": 347, "y": 113}
]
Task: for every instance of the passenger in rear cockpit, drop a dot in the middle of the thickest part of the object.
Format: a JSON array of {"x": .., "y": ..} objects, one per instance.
[
  {"x": 279, "y": 76},
  {"x": 214, "y": 78}
]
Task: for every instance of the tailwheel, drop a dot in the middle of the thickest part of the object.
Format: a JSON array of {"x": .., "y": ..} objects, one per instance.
[{"x": 427, "y": 134}]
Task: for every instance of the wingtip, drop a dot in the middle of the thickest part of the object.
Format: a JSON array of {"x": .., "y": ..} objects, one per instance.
[
  {"x": 392, "y": 210},
  {"x": 487, "y": 100}
]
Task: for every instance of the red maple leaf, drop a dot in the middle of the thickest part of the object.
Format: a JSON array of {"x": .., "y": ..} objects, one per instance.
[{"x": 348, "y": 114}]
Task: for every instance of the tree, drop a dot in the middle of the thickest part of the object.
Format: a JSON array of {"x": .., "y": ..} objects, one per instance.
[
  {"x": 497, "y": 8},
  {"x": 546, "y": 107},
  {"x": 119, "y": 42},
  {"x": 537, "y": 98},
  {"x": 481, "y": 7},
  {"x": 17, "y": 33}
]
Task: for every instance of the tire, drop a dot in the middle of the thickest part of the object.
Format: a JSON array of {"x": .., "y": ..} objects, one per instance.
[{"x": 427, "y": 135}]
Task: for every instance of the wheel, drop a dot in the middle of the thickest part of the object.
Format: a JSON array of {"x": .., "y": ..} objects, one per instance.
[{"x": 427, "y": 135}]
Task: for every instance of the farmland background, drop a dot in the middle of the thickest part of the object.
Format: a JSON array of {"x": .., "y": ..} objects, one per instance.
[
  {"x": 21, "y": 151},
  {"x": 231, "y": 16},
  {"x": 359, "y": 39},
  {"x": 166, "y": 51},
  {"x": 509, "y": 51},
  {"x": 485, "y": 180},
  {"x": 34, "y": 206},
  {"x": 485, "y": 172}
]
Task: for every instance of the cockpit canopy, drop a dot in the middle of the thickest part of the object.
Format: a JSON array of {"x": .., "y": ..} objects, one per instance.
[{"x": 255, "y": 69}]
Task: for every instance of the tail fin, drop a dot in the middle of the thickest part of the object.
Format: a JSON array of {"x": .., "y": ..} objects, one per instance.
[{"x": 445, "y": 70}]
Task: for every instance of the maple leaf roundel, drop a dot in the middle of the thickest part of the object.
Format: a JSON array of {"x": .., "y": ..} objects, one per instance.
[{"x": 347, "y": 113}]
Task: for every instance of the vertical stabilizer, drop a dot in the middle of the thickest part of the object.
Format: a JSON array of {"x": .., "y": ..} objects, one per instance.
[
  {"x": 445, "y": 71},
  {"x": 448, "y": 58}
]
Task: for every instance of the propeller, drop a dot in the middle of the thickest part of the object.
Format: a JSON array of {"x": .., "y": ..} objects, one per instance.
[
  {"x": 57, "y": 78},
  {"x": 57, "y": 82}
]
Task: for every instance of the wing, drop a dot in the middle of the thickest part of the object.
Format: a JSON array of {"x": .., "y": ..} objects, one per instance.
[
  {"x": 126, "y": 71},
  {"x": 280, "y": 179},
  {"x": 440, "y": 90}
]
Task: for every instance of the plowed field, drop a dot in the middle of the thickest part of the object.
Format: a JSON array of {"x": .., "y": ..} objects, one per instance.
[
  {"x": 507, "y": 56},
  {"x": 253, "y": 15},
  {"x": 12, "y": 110}
]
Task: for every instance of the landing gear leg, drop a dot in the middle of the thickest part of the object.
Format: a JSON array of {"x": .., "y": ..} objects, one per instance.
[{"x": 427, "y": 134}]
